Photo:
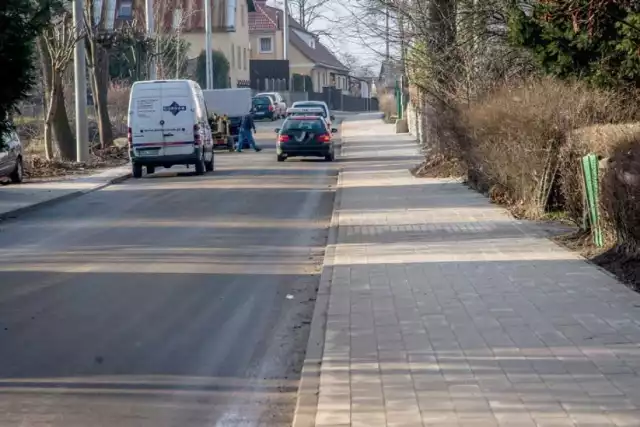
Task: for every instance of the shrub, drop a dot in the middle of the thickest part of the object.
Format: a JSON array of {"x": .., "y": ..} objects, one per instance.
[
  {"x": 118, "y": 101},
  {"x": 387, "y": 104},
  {"x": 602, "y": 140},
  {"x": 620, "y": 194},
  {"x": 517, "y": 137}
]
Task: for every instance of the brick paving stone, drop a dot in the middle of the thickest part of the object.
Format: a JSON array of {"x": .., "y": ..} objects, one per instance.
[{"x": 446, "y": 311}]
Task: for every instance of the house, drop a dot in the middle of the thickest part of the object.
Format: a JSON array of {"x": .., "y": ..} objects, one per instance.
[
  {"x": 306, "y": 55},
  {"x": 390, "y": 72},
  {"x": 186, "y": 19}
]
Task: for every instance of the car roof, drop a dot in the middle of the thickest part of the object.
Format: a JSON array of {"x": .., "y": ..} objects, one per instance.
[
  {"x": 315, "y": 118},
  {"x": 304, "y": 109},
  {"x": 310, "y": 102}
]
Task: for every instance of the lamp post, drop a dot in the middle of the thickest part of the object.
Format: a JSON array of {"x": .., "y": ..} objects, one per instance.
[
  {"x": 207, "y": 44},
  {"x": 80, "y": 81}
]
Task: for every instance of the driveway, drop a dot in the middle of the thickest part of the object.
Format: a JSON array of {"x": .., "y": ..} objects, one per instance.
[{"x": 173, "y": 300}]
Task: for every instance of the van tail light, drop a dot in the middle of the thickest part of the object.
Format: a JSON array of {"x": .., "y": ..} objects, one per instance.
[
  {"x": 196, "y": 135},
  {"x": 270, "y": 107},
  {"x": 130, "y": 138},
  {"x": 325, "y": 137},
  {"x": 283, "y": 138}
]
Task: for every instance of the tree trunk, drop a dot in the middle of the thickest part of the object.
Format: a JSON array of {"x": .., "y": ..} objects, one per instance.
[
  {"x": 99, "y": 66},
  {"x": 45, "y": 62},
  {"x": 59, "y": 121}
]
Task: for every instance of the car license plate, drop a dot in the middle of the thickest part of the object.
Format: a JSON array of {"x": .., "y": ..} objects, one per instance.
[
  {"x": 149, "y": 152},
  {"x": 260, "y": 113}
]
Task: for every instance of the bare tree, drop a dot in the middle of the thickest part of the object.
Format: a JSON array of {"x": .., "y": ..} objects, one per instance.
[
  {"x": 98, "y": 64},
  {"x": 56, "y": 46},
  {"x": 308, "y": 12}
]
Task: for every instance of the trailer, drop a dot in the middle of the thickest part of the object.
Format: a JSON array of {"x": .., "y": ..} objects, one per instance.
[{"x": 226, "y": 108}]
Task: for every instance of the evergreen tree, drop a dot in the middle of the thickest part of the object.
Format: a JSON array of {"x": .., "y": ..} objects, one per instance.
[
  {"x": 220, "y": 66},
  {"x": 20, "y": 22},
  {"x": 593, "y": 40}
]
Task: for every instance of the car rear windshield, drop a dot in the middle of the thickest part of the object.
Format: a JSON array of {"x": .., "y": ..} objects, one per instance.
[
  {"x": 262, "y": 100},
  {"x": 324, "y": 112},
  {"x": 304, "y": 125}
]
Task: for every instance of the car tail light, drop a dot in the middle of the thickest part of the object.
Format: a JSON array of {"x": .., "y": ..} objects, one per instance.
[
  {"x": 283, "y": 138},
  {"x": 270, "y": 107},
  {"x": 196, "y": 135},
  {"x": 130, "y": 137},
  {"x": 325, "y": 137}
]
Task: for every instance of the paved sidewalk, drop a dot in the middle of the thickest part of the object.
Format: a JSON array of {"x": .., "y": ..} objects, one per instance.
[
  {"x": 445, "y": 311},
  {"x": 18, "y": 198}
]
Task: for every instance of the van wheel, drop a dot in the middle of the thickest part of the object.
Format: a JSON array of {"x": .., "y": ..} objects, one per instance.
[
  {"x": 151, "y": 169},
  {"x": 137, "y": 170},
  {"x": 208, "y": 166},
  {"x": 200, "y": 166},
  {"x": 230, "y": 143},
  {"x": 18, "y": 173}
]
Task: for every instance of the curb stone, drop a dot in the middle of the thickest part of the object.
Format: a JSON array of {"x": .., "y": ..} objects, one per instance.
[
  {"x": 19, "y": 211},
  {"x": 309, "y": 387}
]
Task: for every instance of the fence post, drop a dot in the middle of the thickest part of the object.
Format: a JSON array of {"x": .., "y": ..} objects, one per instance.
[{"x": 590, "y": 171}]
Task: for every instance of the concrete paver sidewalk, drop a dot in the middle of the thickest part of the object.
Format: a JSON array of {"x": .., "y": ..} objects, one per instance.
[
  {"x": 445, "y": 311},
  {"x": 15, "y": 199}
]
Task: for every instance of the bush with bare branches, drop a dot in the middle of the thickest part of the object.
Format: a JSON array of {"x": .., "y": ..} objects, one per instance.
[
  {"x": 520, "y": 140},
  {"x": 118, "y": 102}
]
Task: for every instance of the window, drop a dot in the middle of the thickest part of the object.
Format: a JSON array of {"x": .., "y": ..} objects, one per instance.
[
  {"x": 242, "y": 15},
  {"x": 233, "y": 55},
  {"x": 239, "y": 61},
  {"x": 266, "y": 45},
  {"x": 244, "y": 57},
  {"x": 316, "y": 126},
  {"x": 126, "y": 10}
]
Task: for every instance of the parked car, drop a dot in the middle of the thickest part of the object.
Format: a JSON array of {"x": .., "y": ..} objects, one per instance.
[
  {"x": 263, "y": 108},
  {"x": 305, "y": 136},
  {"x": 11, "y": 158},
  {"x": 278, "y": 102},
  {"x": 168, "y": 125},
  {"x": 316, "y": 104}
]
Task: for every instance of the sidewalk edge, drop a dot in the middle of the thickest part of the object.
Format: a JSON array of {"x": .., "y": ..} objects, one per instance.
[
  {"x": 308, "y": 390},
  {"x": 32, "y": 207}
]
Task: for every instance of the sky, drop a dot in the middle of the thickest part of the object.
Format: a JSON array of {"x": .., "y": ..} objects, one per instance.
[{"x": 337, "y": 12}]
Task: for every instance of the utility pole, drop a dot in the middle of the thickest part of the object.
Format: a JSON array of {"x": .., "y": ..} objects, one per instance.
[
  {"x": 80, "y": 80},
  {"x": 285, "y": 30},
  {"x": 207, "y": 44},
  {"x": 148, "y": 4},
  {"x": 386, "y": 33}
]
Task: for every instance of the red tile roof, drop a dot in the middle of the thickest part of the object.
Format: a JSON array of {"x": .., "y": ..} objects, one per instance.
[
  {"x": 264, "y": 18},
  {"x": 267, "y": 18}
]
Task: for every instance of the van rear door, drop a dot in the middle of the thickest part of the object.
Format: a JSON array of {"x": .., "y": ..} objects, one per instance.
[
  {"x": 162, "y": 119},
  {"x": 179, "y": 118},
  {"x": 145, "y": 115}
]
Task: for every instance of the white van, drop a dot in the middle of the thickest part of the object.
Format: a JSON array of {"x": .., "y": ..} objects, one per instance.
[{"x": 168, "y": 126}]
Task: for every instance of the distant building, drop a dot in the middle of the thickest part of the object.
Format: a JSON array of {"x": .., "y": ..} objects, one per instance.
[{"x": 307, "y": 55}]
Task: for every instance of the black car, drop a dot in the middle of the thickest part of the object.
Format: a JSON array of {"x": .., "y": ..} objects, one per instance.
[
  {"x": 305, "y": 136},
  {"x": 263, "y": 108}
]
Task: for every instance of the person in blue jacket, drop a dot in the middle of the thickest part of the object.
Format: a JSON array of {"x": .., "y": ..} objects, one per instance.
[{"x": 247, "y": 128}]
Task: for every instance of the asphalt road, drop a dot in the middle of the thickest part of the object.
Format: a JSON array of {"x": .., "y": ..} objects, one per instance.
[{"x": 174, "y": 300}]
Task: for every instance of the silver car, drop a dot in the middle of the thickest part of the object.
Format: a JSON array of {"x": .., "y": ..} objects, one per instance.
[{"x": 11, "y": 157}]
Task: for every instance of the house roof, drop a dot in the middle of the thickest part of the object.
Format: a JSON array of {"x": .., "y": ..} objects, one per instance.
[{"x": 267, "y": 18}]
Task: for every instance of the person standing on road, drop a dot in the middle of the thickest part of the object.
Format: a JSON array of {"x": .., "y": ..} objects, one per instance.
[{"x": 246, "y": 127}]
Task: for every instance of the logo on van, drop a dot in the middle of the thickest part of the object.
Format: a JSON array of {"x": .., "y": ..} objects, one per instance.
[{"x": 174, "y": 108}]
